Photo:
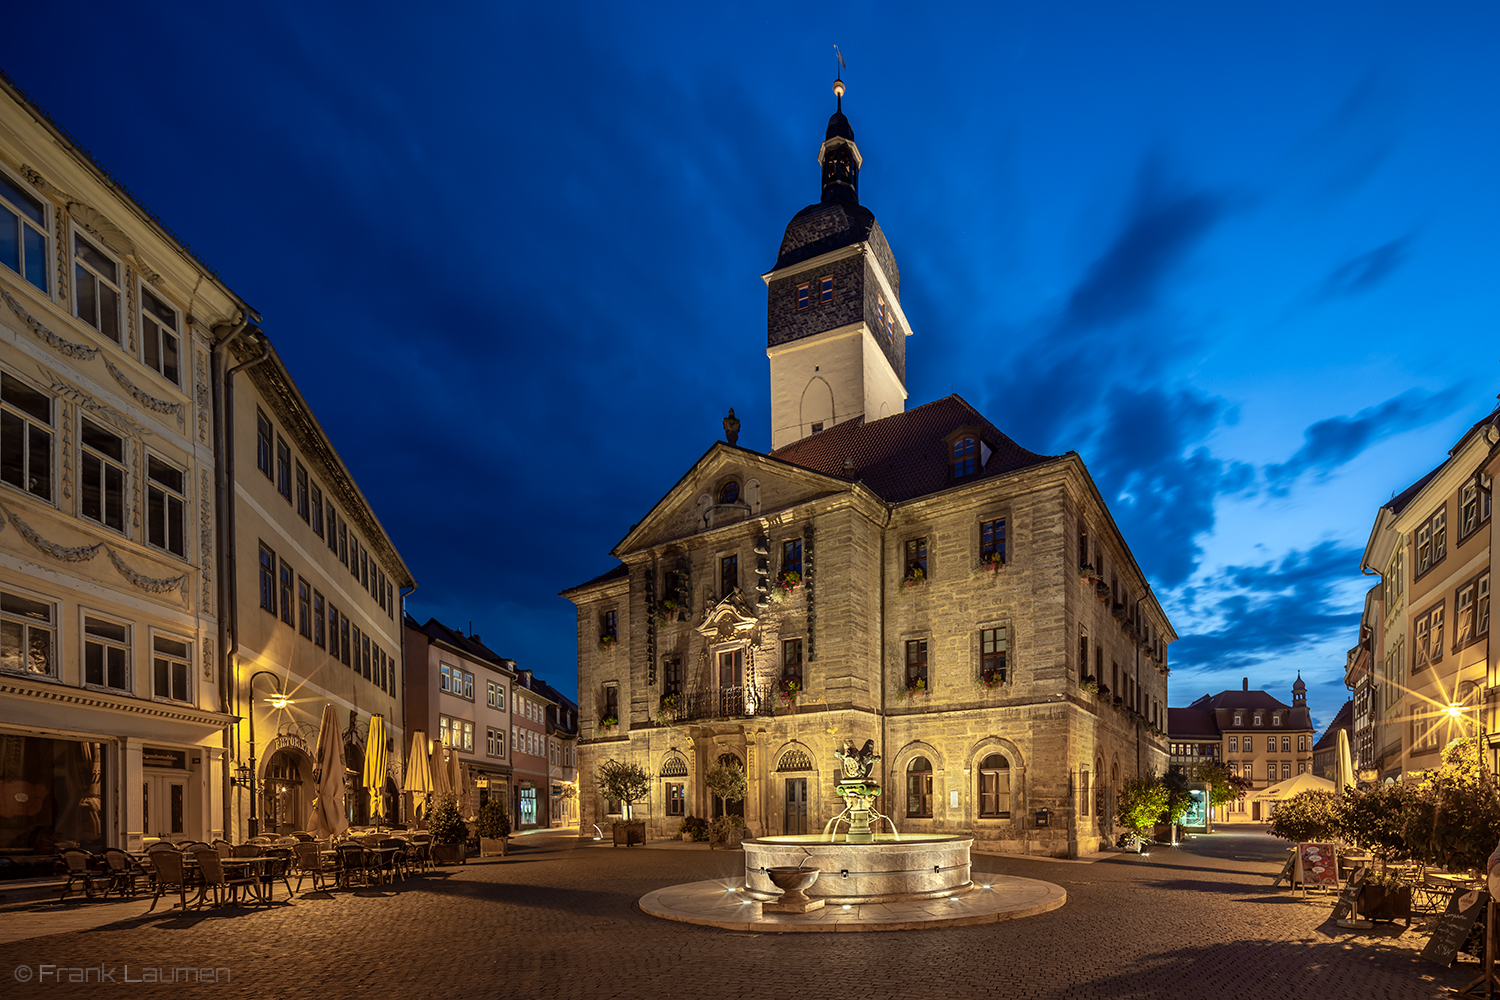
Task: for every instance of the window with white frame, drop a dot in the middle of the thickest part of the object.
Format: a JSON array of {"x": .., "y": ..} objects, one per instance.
[
  {"x": 102, "y": 476},
  {"x": 494, "y": 695},
  {"x": 1432, "y": 541},
  {"x": 159, "y": 333},
  {"x": 106, "y": 653},
  {"x": 1427, "y": 638},
  {"x": 494, "y": 742},
  {"x": 23, "y": 232},
  {"x": 96, "y": 287},
  {"x": 166, "y": 503},
  {"x": 25, "y": 437},
  {"x": 170, "y": 669},
  {"x": 28, "y": 635}
]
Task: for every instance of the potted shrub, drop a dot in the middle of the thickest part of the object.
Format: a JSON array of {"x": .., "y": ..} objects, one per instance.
[
  {"x": 1089, "y": 684},
  {"x": 607, "y": 641},
  {"x": 915, "y": 578},
  {"x": 608, "y": 724},
  {"x": 989, "y": 680},
  {"x": 992, "y": 560},
  {"x": 627, "y": 782},
  {"x": 787, "y": 691},
  {"x": 788, "y": 580},
  {"x": 1385, "y": 897},
  {"x": 665, "y": 709},
  {"x": 694, "y": 829},
  {"x": 494, "y": 829},
  {"x": 726, "y": 833},
  {"x": 666, "y": 611},
  {"x": 449, "y": 832},
  {"x": 1142, "y": 802},
  {"x": 912, "y": 689}
]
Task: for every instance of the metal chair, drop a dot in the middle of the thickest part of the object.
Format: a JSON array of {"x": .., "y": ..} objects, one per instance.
[
  {"x": 352, "y": 864},
  {"x": 278, "y": 867}
]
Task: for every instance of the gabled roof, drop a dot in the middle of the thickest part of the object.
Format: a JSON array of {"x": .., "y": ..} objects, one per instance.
[
  {"x": 1398, "y": 502},
  {"x": 468, "y": 645},
  {"x": 1191, "y": 724},
  {"x": 1343, "y": 720},
  {"x": 903, "y": 456}
]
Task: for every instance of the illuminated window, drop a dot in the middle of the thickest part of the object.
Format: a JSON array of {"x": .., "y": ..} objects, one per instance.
[
  {"x": 994, "y": 787},
  {"x": 916, "y": 558},
  {"x": 27, "y": 636},
  {"x": 919, "y": 788}
]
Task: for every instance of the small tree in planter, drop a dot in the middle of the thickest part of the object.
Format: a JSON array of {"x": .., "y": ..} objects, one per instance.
[
  {"x": 627, "y": 782},
  {"x": 728, "y": 783},
  {"x": 494, "y": 828},
  {"x": 449, "y": 832}
]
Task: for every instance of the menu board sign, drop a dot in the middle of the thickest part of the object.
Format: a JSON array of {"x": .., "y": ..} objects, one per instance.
[{"x": 1319, "y": 865}]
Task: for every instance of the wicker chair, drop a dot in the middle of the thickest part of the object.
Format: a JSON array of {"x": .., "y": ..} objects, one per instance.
[
  {"x": 352, "y": 864},
  {"x": 246, "y": 851},
  {"x": 419, "y": 850},
  {"x": 310, "y": 865},
  {"x": 169, "y": 873},
  {"x": 212, "y": 868},
  {"x": 126, "y": 876},
  {"x": 304, "y": 836},
  {"x": 278, "y": 867},
  {"x": 225, "y": 849},
  {"x": 82, "y": 868}
]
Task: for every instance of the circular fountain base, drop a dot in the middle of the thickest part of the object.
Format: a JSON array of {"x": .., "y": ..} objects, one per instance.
[{"x": 881, "y": 871}]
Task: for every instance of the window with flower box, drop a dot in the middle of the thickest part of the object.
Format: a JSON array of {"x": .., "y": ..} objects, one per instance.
[
  {"x": 992, "y": 542},
  {"x": 993, "y": 655},
  {"x": 916, "y": 665}
]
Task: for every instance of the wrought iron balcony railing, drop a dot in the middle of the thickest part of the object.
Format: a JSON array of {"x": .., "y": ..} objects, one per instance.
[{"x": 718, "y": 703}]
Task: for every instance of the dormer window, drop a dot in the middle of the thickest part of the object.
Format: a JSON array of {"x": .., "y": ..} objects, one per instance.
[
  {"x": 1239, "y": 719},
  {"x": 729, "y": 492},
  {"x": 965, "y": 457},
  {"x": 804, "y": 295},
  {"x": 1276, "y": 719},
  {"x": 1259, "y": 718}
]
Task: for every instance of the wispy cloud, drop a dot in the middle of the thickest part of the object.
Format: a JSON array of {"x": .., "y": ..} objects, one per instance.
[
  {"x": 1335, "y": 441},
  {"x": 1254, "y": 613},
  {"x": 1364, "y": 272}
]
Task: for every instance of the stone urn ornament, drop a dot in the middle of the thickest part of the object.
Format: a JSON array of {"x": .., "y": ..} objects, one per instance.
[{"x": 793, "y": 883}]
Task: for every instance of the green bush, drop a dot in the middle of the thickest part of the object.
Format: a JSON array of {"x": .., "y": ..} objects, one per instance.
[
  {"x": 494, "y": 821},
  {"x": 721, "y": 829},
  {"x": 1453, "y": 817},
  {"x": 1143, "y": 801},
  {"x": 1375, "y": 819},
  {"x": 1307, "y": 817},
  {"x": 447, "y": 826},
  {"x": 695, "y": 826}
]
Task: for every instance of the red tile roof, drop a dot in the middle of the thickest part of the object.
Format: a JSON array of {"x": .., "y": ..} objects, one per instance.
[{"x": 902, "y": 457}]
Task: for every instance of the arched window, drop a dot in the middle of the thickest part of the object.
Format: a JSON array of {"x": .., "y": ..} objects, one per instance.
[
  {"x": 919, "y": 788},
  {"x": 994, "y": 787},
  {"x": 795, "y": 760},
  {"x": 729, "y": 492},
  {"x": 964, "y": 461}
]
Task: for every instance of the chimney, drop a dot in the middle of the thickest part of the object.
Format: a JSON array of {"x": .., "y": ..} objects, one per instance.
[{"x": 1247, "y": 684}]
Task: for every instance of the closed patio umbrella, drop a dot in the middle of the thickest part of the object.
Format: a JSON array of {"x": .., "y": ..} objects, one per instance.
[
  {"x": 1344, "y": 768},
  {"x": 442, "y": 782},
  {"x": 375, "y": 764},
  {"x": 418, "y": 773},
  {"x": 456, "y": 782},
  {"x": 328, "y": 819}
]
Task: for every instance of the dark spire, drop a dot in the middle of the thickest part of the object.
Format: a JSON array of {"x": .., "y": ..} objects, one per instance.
[{"x": 839, "y": 156}]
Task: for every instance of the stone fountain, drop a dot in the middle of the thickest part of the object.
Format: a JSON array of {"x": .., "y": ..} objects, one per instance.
[{"x": 861, "y": 865}]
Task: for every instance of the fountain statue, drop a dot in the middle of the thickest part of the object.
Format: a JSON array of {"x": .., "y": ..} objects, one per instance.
[{"x": 860, "y": 865}]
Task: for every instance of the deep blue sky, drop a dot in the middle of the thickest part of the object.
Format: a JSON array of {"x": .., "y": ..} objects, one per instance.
[{"x": 1241, "y": 257}]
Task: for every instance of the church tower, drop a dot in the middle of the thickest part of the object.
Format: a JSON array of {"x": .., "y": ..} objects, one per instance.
[{"x": 835, "y": 332}]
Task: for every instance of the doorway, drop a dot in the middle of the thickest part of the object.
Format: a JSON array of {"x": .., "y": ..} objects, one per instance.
[
  {"x": 796, "y": 806},
  {"x": 732, "y": 682},
  {"x": 164, "y": 806},
  {"x": 282, "y": 807}
]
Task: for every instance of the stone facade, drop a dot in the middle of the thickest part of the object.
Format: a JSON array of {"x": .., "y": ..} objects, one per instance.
[{"x": 769, "y": 607}]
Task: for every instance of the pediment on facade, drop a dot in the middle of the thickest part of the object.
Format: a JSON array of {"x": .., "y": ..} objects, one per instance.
[
  {"x": 729, "y": 620},
  {"x": 758, "y": 487}
]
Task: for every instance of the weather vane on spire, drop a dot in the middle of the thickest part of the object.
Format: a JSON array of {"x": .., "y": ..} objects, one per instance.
[{"x": 838, "y": 80}]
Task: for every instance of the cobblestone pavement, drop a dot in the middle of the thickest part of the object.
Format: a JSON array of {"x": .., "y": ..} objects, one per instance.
[{"x": 558, "y": 919}]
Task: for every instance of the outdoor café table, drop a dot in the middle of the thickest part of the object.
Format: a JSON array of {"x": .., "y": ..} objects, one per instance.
[{"x": 252, "y": 865}]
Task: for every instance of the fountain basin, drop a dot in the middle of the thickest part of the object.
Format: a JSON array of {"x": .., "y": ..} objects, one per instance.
[{"x": 882, "y": 871}]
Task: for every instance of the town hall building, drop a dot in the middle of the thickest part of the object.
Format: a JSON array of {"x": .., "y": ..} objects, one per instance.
[{"x": 908, "y": 576}]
